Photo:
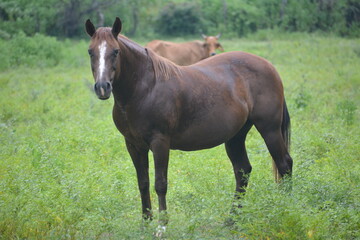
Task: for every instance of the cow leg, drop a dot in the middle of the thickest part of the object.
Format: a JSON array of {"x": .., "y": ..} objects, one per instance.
[{"x": 141, "y": 163}]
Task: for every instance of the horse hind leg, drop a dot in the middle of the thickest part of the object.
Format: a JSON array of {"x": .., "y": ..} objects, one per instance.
[
  {"x": 278, "y": 149},
  {"x": 236, "y": 151}
]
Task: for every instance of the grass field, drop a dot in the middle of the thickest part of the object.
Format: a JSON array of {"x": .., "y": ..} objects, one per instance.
[{"x": 65, "y": 172}]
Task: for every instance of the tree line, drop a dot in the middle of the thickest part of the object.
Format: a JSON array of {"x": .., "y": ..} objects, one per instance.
[{"x": 143, "y": 18}]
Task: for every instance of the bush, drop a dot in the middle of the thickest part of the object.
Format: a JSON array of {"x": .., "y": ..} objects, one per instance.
[
  {"x": 36, "y": 51},
  {"x": 179, "y": 19},
  {"x": 245, "y": 18}
]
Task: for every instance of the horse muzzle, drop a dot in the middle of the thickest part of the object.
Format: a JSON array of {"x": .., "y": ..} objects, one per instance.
[{"x": 103, "y": 89}]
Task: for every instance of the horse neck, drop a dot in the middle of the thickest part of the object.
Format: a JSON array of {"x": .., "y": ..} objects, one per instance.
[
  {"x": 140, "y": 71},
  {"x": 135, "y": 74}
]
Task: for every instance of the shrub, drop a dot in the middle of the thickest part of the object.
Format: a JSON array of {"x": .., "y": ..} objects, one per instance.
[
  {"x": 36, "y": 51},
  {"x": 179, "y": 19}
]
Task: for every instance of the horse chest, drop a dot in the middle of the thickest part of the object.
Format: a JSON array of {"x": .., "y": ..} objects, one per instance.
[{"x": 134, "y": 126}]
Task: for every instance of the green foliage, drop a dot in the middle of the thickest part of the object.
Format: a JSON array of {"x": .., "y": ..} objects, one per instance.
[
  {"x": 179, "y": 19},
  {"x": 314, "y": 15},
  {"x": 352, "y": 16},
  {"x": 244, "y": 18},
  {"x": 29, "y": 17},
  {"x": 65, "y": 172},
  {"x": 347, "y": 109},
  {"x": 303, "y": 97},
  {"x": 36, "y": 51}
]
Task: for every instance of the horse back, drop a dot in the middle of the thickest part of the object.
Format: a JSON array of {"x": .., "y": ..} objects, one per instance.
[
  {"x": 240, "y": 69},
  {"x": 248, "y": 78}
]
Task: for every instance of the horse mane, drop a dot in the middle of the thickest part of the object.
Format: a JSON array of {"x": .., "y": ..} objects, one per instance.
[
  {"x": 164, "y": 69},
  {"x": 131, "y": 45}
]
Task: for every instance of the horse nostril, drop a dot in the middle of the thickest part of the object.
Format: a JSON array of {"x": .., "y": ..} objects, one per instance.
[
  {"x": 102, "y": 85},
  {"x": 108, "y": 85},
  {"x": 103, "y": 89}
]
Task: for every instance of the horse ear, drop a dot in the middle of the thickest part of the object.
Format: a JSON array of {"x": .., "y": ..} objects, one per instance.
[
  {"x": 218, "y": 36},
  {"x": 90, "y": 29},
  {"x": 116, "y": 28}
]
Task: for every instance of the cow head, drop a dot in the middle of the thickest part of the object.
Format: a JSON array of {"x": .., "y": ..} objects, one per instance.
[{"x": 211, "y": 44}]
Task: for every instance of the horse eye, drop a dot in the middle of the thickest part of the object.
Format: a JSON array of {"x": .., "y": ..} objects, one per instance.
[
  {"x": 116, "y": 52},
  {"x": 90, "y": 52}
]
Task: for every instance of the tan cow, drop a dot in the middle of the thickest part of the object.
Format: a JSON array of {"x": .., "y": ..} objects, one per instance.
[{"x": 186, "y": 53}]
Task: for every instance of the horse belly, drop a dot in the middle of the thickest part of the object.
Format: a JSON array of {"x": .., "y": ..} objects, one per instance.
[{"x": 207, "y": 133}]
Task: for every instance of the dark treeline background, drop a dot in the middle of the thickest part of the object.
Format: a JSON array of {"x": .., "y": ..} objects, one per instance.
[{"x": 146, "y": 18}]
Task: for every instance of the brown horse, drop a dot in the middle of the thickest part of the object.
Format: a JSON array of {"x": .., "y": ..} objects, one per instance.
[
  {"x": 186, "y": 53},
  {"x": 160, "y": 106}
]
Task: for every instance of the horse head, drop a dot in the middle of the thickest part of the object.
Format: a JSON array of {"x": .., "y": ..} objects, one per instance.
[{"x": 104, "y": 56}]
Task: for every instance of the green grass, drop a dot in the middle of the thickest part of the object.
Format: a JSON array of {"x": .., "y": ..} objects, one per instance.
[{"x": 65, "y": 172}]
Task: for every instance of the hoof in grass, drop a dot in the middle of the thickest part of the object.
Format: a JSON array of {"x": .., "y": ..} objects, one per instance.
[
  {"x": 160, "y": 230},
  {"x": 229, "y": 222}
]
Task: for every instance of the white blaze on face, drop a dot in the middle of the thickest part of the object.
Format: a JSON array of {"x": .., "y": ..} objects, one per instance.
[{"x": 102, "y": 50}]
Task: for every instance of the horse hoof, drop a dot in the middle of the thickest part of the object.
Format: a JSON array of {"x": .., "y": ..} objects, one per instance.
[
  {"x": 160, "y": 230},
  {"x": 229, "y": 222}
]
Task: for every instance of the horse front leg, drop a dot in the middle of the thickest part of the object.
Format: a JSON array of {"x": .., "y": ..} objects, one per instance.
[
  {"x": 160, "y": 146},
  {"x": 141, "y": 162}
]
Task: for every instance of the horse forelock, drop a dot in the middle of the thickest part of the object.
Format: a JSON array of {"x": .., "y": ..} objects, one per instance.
[{"x": 103, "y": 34}]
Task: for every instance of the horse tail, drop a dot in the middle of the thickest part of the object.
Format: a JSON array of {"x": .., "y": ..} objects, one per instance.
[
  {"x": 285, "y": 127},
  {"x": 286, "y": 133}
]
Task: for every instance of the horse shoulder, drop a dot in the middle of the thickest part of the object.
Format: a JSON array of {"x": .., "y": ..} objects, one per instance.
[
  {"x": 156, "y": 111},
  {"x": 120, "y": 120}
]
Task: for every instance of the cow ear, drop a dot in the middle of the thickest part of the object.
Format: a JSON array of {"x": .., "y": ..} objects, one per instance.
[
  {"x": 90, "y": 29},
  {"x": 116, "y": 28},
  {"x": 221, "y": 47}
]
